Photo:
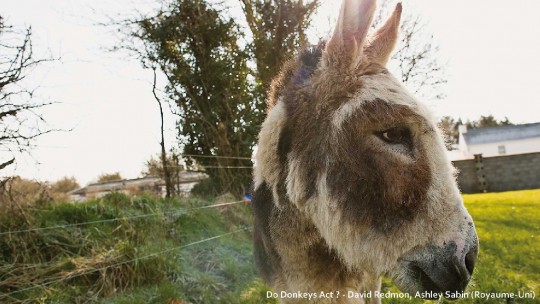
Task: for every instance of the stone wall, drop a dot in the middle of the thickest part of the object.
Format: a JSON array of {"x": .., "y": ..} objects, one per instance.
[{"x": 501, "y": 173}]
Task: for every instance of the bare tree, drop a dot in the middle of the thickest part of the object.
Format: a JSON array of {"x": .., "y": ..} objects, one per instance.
[
  {"x": 173, "y": 164},
  {"x": 416, "y": 57},
  {"x": 166, "y": 169},
  {"x": 20, "y": 120}
]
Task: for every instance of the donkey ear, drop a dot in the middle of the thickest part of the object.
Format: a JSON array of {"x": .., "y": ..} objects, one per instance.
[
  {"x": 345, "y": 46},
  {"x": 385, "y": 38}
]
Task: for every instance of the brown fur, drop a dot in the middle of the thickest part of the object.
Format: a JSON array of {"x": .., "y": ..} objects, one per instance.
[
  {"x": 335, "y": 205},
  {"x": 386, "y": 200}
]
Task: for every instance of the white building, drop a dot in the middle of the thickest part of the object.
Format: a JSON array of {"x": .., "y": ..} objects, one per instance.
[
  {"x": 497, "y": 141},
  {"x": 185, "y": 182}
]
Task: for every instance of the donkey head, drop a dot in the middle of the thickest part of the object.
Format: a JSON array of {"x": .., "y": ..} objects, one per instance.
[{"x": 364, "y": 161}]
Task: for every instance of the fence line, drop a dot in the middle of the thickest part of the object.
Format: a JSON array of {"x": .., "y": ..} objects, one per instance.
[
  {"x": 216, "y": 167},
  {"x": 227, "y": 167},
  {"x": 42, "y": 284},
  {"x": 216, "y": 156},
  {"x": 119, "y": 218}
]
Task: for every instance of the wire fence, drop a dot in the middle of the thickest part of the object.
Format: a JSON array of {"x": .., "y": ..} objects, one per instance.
[
  {"x": 179, "y": 211},
  {"x": 176, "y": 212},
  {"x": 216, "y": 167},
  {"x": 69, "y": 277},
  {"x": 227, "y": 167},
  {"x": 216, "y": 156}
]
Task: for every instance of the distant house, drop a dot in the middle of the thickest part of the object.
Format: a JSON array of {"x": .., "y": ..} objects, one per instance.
[
  {"x": 497, "y": 141},
  {"x": 186, "y": 181}
]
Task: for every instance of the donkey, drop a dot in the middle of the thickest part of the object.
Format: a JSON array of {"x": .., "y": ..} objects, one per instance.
[{"x": 352, "y": 180}]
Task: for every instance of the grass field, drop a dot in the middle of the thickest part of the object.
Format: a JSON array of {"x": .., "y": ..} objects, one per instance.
[
  {"x": 508, "y": 227},
  {"x": 59, "y": 265}
]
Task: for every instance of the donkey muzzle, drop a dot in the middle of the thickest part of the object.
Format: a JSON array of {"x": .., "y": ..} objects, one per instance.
[{"x": 432, "y": 271}]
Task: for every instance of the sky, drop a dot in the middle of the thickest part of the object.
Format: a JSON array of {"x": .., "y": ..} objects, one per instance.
[{"x": 489, "y": 48}]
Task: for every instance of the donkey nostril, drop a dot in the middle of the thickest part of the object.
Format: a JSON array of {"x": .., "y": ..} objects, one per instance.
[{"x": 470, "y": 260}]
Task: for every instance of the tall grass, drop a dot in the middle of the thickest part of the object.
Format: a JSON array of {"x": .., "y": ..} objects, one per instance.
[{"x": 101, "y": 262}]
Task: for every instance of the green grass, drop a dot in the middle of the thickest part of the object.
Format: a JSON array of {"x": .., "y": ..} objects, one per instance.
[
  {"x": 220, "y": 270},
  {"x": 508, "y": 227},
  {"x": 194, "y": 274}
]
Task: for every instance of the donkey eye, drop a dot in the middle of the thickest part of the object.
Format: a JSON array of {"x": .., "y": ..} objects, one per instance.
[{"x": 399, "y": 135}]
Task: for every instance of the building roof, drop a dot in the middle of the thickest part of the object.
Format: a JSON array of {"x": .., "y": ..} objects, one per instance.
[
  {"x": 501, "y": 134},
  {"x": 116, "y": 185},
  {"x": 184, "y": 177}
]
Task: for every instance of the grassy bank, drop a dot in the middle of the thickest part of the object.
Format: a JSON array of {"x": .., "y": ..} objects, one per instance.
[
  {"x": 128, "y": 250},
  {"x": 147, "y": 250}
]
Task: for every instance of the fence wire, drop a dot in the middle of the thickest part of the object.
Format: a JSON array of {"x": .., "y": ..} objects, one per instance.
[
  {"x": 135, "y": 217},
  {"x": 44, "y": 284},
  {"x": 216, "y": 156},
  {"x": 176, "y": 212}
]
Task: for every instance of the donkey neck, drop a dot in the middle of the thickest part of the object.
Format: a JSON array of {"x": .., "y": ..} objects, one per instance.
[{"x": 308, "y": 263}]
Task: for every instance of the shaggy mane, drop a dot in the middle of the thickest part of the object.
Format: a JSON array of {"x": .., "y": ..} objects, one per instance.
[{"x": 296, "y": 71}]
